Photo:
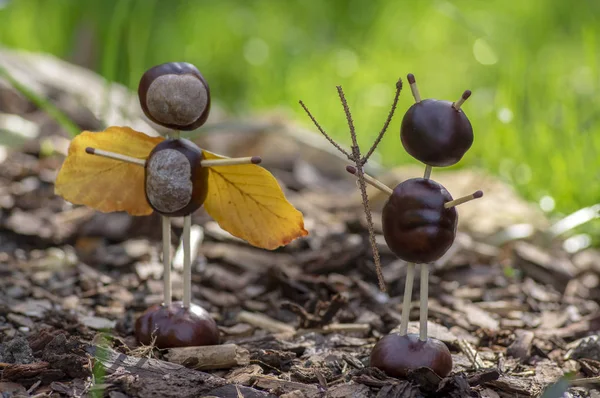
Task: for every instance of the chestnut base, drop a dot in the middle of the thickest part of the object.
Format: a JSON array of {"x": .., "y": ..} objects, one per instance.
[
  {"x": 176, "y": 326},
  {"x": 397, "y": 355}
]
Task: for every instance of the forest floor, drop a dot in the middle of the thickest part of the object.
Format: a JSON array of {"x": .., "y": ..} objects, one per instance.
[{"x": 516, "y": 310}]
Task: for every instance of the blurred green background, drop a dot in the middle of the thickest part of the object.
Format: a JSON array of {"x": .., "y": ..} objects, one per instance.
[{"x": 533, "y": 66}]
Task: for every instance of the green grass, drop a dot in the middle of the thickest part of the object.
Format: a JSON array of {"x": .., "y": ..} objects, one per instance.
[{"x": 533, "y": 67}]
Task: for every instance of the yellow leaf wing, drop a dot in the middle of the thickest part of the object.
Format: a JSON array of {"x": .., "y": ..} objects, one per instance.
[
  {"x": 106, "y": 184},
  {"x": 247, "y": 202}
]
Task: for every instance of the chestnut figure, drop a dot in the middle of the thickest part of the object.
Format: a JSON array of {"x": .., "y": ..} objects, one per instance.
[
  {"x": 417, "y": 226},
  {"x": 435, "y": 133},
  {"x": 175, "y": 95},
  {"x": 176, "y": 175},
  {"x": 419, "y": 219},
  {"x": 396, "y": 355},
  {"x": 176, "y": 184},
  {"x": 176, "y": 326}
]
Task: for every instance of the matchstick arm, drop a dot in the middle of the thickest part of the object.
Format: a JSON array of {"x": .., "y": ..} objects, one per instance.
[{"x": 464, "y": 199}]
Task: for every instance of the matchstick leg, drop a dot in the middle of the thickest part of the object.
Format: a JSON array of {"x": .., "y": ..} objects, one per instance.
[
  {"x": 424, "y": 308},
  {"x": 187, "y": 261},
  {"x": 166, "y": 253},
  {"x": 408, "y": 288}
]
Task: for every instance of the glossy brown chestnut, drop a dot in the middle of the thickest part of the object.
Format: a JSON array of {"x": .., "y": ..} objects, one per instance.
[
  {"x": 176, "y": 326},
  {"x": 435, "y": 133},
  {"x": 397, "y": 355},
  {"x": 176, "y": 184},
  {"x": 175, "y": 95},
  {"x": 416, "y": 226}
]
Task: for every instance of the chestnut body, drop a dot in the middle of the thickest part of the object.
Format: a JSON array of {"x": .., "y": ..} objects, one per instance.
[
  {"x": 435, "y": 133},
  {"x": 176, "y": 326},
  {"x": 416, "y": 226},
  {"x": 175, "y": 183},
  {"x": 175, "y": 95},
  {"x": 397, "y": 355}
]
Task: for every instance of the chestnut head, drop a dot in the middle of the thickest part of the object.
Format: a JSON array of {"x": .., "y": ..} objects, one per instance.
[
  {"x": 416, "y": 225},
  {"x": 397, "y": 355},
  {"x": 176, "y": 326},
  {"x": 436, "y": 133},
  {"x": 176, "y": 184},
  {"x": 175, "y": 95}
]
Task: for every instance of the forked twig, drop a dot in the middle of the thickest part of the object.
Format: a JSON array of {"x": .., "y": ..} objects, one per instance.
[
  {"x": 335, "y": 144},
  {"x": 387, "y": 122},
  {"x": 363, "y": 188},
  {"x": 360, "y": 162}
]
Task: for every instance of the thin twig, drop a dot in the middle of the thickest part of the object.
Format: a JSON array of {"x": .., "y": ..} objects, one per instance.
[
  {"x": 387, "y": 122},
  {"x": 363, "y": 188},
  {"x": 360, "y": 162},
  {"x": 335, "y": 144}
]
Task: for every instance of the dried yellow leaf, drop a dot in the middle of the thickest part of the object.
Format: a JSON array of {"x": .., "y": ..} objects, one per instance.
[
  {"x": 247, "y": 202},
  {"x": 106, "y": 184}
]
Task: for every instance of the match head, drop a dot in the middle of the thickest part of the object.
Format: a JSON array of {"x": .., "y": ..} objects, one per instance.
[
  {"x": 411, "y": 78},
  {"x": 175, "y": 95},
  {"x": 90, "y": 150},
  {"x": 351, "y": 169},
  {"x": 464, "y": 199},
  {"x": 256, "y": 160},
  {"x": 462, "y": 99}
]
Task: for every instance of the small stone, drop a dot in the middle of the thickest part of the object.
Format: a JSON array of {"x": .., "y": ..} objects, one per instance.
[
  {"x": 97, "y": 323},
  {"x": 33, "y": 308},
  {"x": 15, "y": 291},
  {"x": 16, "y": 351},
  {"x": 149, "y": 269},
  {"x": 20, "y": 320},
  {"x": 136, "y": 248}
]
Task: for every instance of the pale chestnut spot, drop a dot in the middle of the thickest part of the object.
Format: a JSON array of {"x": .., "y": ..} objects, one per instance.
[
  {"x": 168, "y": 180},
  {"x": 177, "y": 99}
]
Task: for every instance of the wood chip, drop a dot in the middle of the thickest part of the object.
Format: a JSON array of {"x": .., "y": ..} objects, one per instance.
[
  {"x": 262, "y": 321},
  {"x": 224, "y": 356},
  {"x": 521, "y": 347},
  {"x": 478, "y": 317}
]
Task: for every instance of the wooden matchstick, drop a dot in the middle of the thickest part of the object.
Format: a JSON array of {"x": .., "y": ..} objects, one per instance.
[
  {"x": 413, "y": 87},
  {"x": 371, "y": 181},
  {"x": 464, "y": 199},
  {"x": 427, "y": 173},
  {"x": 408, "y": 288},
  {"x": 115, "y": 156},
  {"x": 231, "y": 162},
  {"x": 187, "y": 261},
  {"x": 166, "y": 236},
  {"x": 423, "y": 308},
  {"x": 462, "y": 100}
]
